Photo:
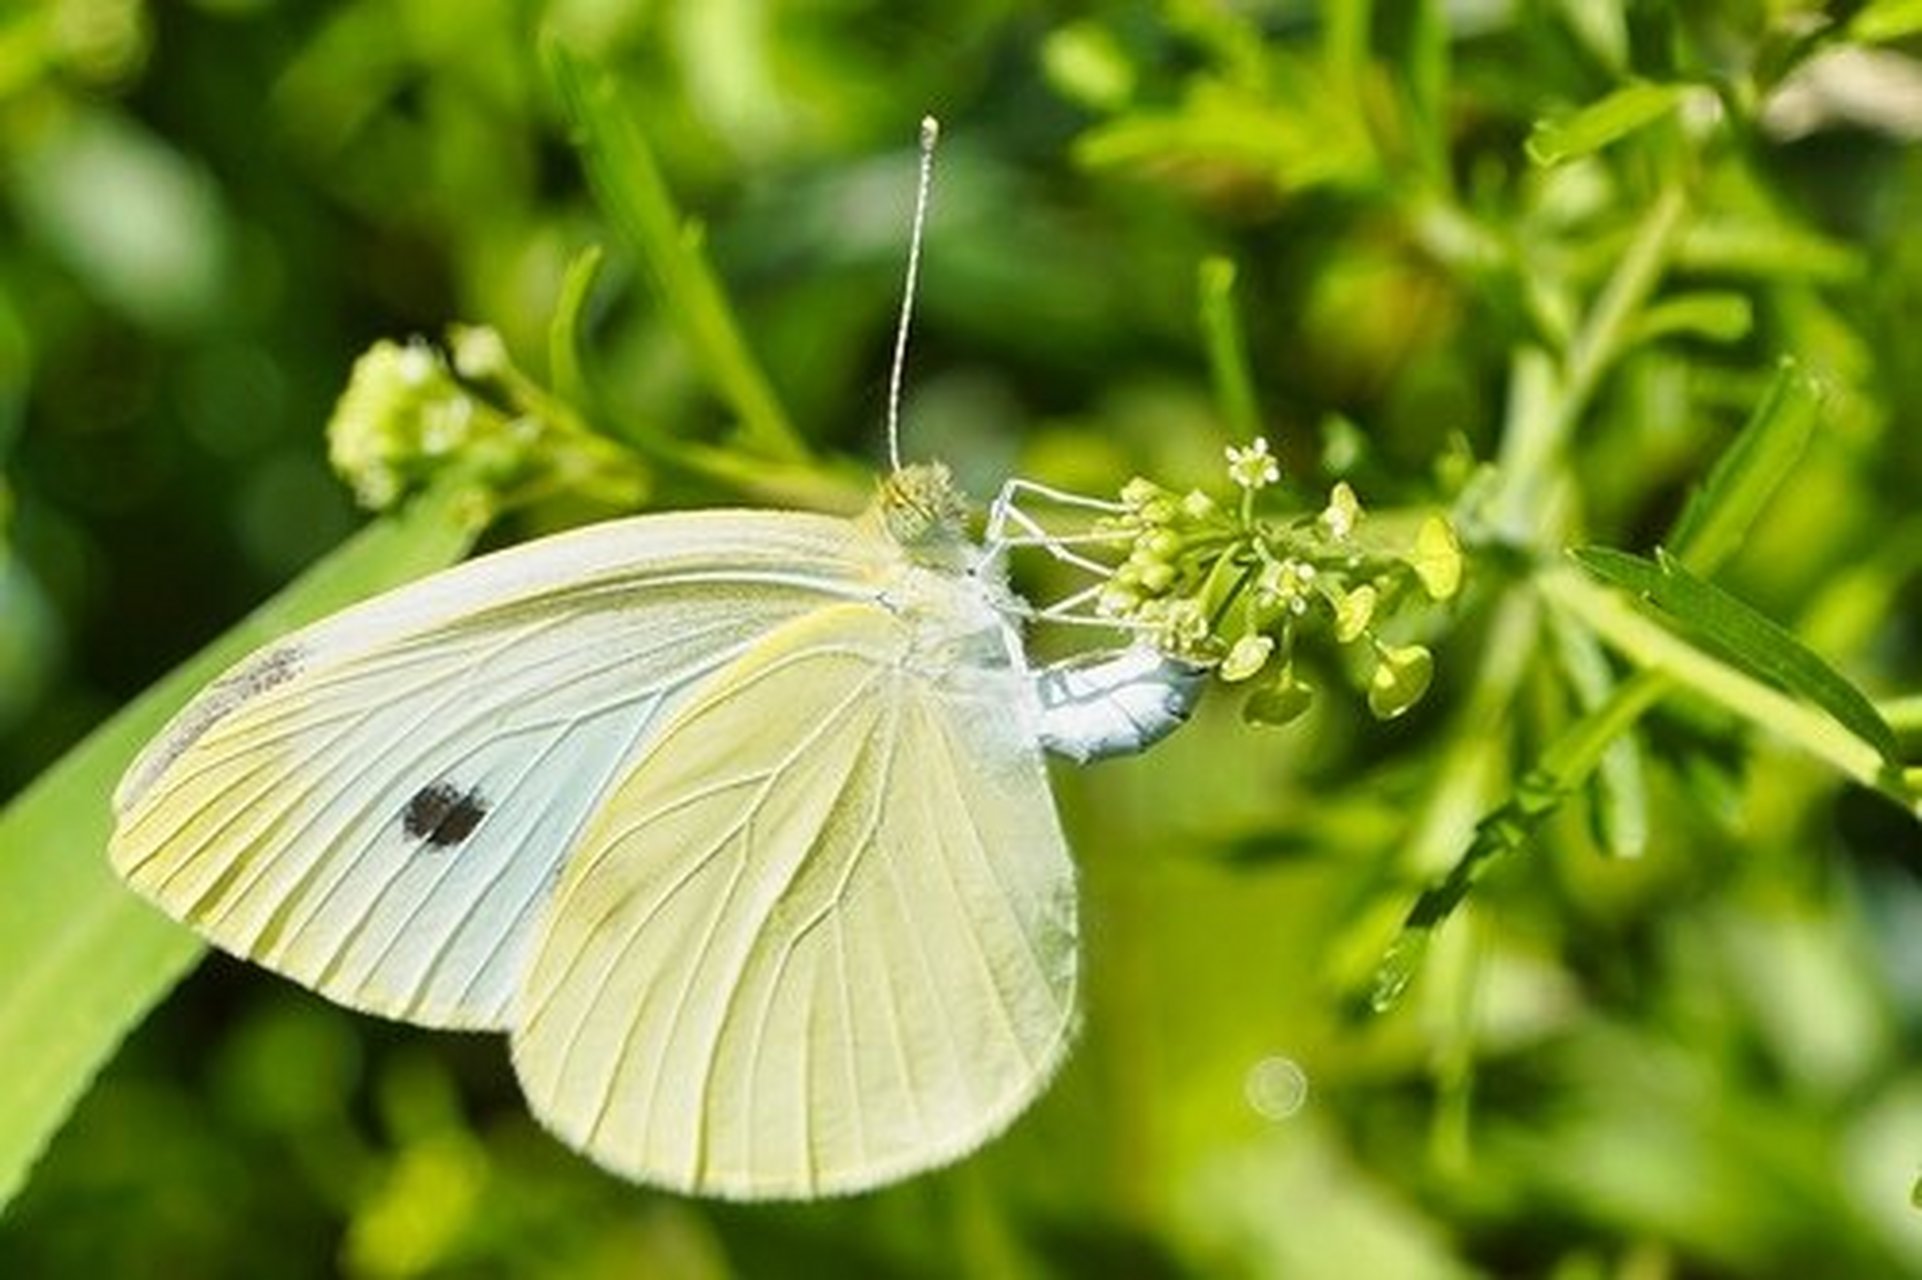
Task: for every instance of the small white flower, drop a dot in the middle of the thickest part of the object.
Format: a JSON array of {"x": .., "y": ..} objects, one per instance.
[
  {"x": 1253, "y": 467},
  {"x": 1342, "y": 513},
  {"x": 1285, "y": 582},
  {"x": 1181, "y": 626},
  {"x": 479, "y": 352}
]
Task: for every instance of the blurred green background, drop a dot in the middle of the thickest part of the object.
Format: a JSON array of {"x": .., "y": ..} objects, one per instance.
[{"x": 1699, "y": 1062}]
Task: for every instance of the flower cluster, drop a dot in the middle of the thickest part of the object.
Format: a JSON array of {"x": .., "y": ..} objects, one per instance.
[
  {"x": 1241, "y": 590},
  {"x": 410, "y": 412},
  {"x": 402, "y": 411}
]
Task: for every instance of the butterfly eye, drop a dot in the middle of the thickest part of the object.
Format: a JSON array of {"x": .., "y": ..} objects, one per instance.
[{"x": 442, "y": 815}]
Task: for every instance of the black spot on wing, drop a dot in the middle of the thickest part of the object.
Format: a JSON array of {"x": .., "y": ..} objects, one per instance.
[{"x": 441, "y": 814}]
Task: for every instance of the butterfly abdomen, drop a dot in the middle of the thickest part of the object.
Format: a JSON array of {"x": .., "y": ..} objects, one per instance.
[{"x": 1117, "y": 705}]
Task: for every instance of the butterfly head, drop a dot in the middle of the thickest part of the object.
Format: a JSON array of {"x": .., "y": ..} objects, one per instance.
[{"x": 925, "y": 514}]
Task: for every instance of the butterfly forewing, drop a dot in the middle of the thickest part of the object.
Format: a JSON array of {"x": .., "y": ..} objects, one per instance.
[
  {"x": 380, "y": 805},
  {"x": 822, "y": 934}
]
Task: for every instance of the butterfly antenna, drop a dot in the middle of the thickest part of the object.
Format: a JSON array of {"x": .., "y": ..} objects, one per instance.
[{"x": 930, "y": 134}]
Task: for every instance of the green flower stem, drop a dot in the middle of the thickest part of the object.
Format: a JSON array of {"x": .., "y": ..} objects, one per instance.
[
  {"x": 1546, "y": 404},
  {"x": 1621, "y": 787},
  {"x": 1545, "y": 407},
  {"x": 798, "y": 483},
  {"x": 1653, "y": 647}
]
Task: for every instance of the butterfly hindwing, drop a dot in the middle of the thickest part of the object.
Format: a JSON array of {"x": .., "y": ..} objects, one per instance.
[
  {"x": 379, "y": 806},
  {"x": 822, "y": 934}
]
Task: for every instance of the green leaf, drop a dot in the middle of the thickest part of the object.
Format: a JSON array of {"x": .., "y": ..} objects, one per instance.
[
  {"x": 564, "y": 368},
  {"x": 631, "y": 192},
  {"x": 1227, "y": 349},
  {"x": 1746, "y": 638},
  {"x": 84, "y": 958},
  {"x": 1424, "y": 58},
  {"x": 1086, "y": 64},
  {"x": 1714, "y": 315},
  {"x": 1886, "y": 20},
  {"x": 1724, "y": 245},
  {"x": 1632, "y": 107},
  {"x": 1746, "y": 476}
]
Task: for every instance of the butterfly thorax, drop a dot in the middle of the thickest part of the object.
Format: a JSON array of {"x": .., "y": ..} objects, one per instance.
[{"x": 956, "y": 601}]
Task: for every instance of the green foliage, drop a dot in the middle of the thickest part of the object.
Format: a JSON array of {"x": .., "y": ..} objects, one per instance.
[
  {"x": 1621, "y": 113},
  {"x": 1597, "y": 275},
  {"x": 635, "y": 198},
  {"x": 84, "y": 960},
  {"x": 1745, "y": 637}
]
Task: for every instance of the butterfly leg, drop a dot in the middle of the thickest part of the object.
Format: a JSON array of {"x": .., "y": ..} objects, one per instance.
[{"x": 1006, "y": 511}]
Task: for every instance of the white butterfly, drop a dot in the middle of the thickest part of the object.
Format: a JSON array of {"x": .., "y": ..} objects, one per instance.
[{"x": 736, "y": 821}]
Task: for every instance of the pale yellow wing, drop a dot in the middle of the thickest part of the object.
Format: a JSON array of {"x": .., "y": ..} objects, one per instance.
[
  {"x": 822, "y": 936},
  {"x": 379, "y": 806}
]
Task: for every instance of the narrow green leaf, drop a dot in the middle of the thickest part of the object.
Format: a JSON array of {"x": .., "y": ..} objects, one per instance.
[
  {"x": 630, "y": 189},
  {"x": 1632, "y": 107},
  {"x": 1346, "y": 40},
  {"x": 1425, "y": 58},
  {"x": 1725, "y": 245},
  {"x": 565, "y": 372},
  {"x": 1746, "y": 638},
  {"x": 1661, "y": 648},
  {"x": 1746, "y": 476},
  {"x": 1227, "y": 349},
  {"x": 1713, "y": 315},
  {"x": 83, "y": 958}
]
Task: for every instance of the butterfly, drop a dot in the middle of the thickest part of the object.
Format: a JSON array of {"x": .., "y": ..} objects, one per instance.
[{"x": 736, "y": 822}]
